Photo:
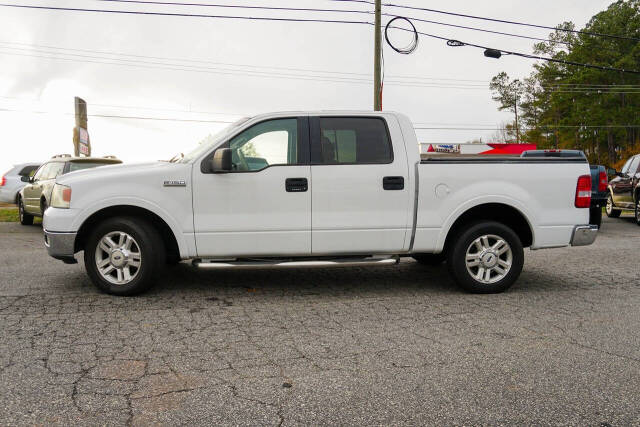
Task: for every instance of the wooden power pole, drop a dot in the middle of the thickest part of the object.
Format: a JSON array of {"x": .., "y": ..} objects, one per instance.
[
  {"x": 81, "y": 141},
  {"x": 377, "y": 63}
]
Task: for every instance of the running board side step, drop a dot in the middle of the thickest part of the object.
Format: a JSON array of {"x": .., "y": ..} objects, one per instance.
[{"x": 346, "y": 262}]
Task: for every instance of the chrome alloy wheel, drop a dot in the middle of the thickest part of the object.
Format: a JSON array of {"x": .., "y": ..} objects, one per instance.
[
  {"x": 489, "y": 258},
  {"x": 609, "y": 207},
  {"x": 118, "y": 257}
]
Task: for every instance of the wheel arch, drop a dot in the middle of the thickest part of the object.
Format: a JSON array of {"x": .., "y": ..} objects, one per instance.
[
  {"x": 164, "y": 230},
  {"x": 500, "y": 212}
]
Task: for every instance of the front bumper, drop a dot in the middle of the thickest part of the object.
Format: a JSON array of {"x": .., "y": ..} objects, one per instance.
[
  {"x": 60, "y": 245},
  {"x": 584, "y": 235}
]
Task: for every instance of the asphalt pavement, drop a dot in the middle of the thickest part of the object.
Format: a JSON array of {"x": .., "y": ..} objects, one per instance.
[{"x": 345, "y": 345}]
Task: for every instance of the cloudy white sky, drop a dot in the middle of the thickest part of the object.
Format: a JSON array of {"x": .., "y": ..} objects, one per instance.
[{"x": 205, "y": 71}]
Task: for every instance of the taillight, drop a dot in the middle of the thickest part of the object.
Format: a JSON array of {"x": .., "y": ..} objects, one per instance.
[
  {"x": 3, "y": 181},
  {"x": 583, "y": 192},
  {"x": 603, "y": 181}
]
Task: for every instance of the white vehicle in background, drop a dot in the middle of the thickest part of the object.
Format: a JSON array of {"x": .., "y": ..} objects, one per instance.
[
  {"x": 319, "y": 188},
  {"x": 12, "y": 181}
]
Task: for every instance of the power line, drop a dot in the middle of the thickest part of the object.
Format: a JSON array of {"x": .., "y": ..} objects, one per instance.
[
  {"x": 458, "y": 43},
  {"x": 451, "y": 41},
  {"x": 92, "y": 51},
  {"x": 234, "y": 72},
  {"x": 502, "y": 21},
  {"x": 114, "y": 116},
  {"x": 190, "y": 15},
  {"x": 299, "y": 9}
]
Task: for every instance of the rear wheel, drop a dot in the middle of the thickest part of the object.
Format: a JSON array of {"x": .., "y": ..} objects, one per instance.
[
  {"x": 429, "y": 259},
  {"x": 487, "y": 257},
  {"x": 610, "y": 208},
  {"x": 25, "y": 218},
  {"x": 637, "y": 210},
  {"x": 123, "y": 256}
]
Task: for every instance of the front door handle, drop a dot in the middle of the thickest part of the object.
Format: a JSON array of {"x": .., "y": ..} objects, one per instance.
[
  {"x": 393, "y": 183},
  {"x": 296, "y": 185}
]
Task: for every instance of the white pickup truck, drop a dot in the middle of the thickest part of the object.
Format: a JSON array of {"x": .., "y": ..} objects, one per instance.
[{"x": 318, "y": 188}]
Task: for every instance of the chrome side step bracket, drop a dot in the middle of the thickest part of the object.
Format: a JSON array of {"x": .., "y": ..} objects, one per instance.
[{"x": 278, "y": 263}]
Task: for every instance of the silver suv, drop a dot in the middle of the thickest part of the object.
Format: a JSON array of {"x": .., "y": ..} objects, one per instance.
[
  {"x": 34, "y": 198},
  {"x": 11, "y": 182}
]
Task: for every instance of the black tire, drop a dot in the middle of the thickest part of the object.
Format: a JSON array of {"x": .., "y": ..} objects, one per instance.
[
  {"x": 151, "y": 249},
  {"x": 595, "y": 216},
  {"x": 429, "y": 259},
  {"x": 637, "y": 210},
  {"x": 461, "y": 243},
  {"x": 43, "y": 206},
  {"x": 25, "y": 218},
  {"x": 611, "y": 212}
]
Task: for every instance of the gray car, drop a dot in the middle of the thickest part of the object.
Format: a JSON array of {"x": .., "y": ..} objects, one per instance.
[
  {"x": 11, "y": 182},
  {"x": 35, "y": 197}
]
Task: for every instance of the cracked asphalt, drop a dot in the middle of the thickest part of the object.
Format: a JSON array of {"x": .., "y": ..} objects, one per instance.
[{"x": 364, "y": 345}]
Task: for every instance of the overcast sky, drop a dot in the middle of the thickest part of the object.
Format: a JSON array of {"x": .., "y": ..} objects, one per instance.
[{"x": 242, "y": 68}]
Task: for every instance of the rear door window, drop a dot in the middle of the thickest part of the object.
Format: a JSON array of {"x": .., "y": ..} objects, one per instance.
[{"x": 352, "y": 140}]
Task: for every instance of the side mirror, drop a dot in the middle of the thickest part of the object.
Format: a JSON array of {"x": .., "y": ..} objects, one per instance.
[
  {"x": 24, "y": 178},
  {"x": 221, "y": 162}
]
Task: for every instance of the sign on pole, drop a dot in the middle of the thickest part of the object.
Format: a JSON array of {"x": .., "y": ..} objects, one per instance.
[{"x": 81, "y": 140}]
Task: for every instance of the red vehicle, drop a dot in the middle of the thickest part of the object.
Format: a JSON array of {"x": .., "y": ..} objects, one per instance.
[{"x": 624, "y": 190}]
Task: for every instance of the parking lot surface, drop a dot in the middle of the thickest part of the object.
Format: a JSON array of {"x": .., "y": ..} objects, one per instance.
[{"x": 366, "y": 345}]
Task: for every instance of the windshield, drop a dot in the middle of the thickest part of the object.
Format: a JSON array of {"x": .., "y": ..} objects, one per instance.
[
  {"x": 76, "y": 166},
  {"x": 209, "y": 142}
]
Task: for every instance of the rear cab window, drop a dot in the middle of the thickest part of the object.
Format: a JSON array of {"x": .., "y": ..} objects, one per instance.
[{"x": 351, "y": 140}]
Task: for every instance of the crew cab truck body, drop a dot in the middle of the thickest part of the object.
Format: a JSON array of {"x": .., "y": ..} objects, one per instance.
[{"x": 318, "y": 188}]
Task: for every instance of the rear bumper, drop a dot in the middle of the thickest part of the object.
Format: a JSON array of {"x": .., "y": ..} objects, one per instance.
[
  {"x": 60, "y": 245},
  {"x": 584, "y": 235},
  {"x": 8, "y": 195}
]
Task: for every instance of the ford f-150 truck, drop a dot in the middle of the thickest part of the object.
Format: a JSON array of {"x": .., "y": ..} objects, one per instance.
[{"x": 318, "y": 188}]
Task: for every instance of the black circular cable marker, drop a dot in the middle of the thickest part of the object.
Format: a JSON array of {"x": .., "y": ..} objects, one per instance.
[{"x": 406, "y": 50}]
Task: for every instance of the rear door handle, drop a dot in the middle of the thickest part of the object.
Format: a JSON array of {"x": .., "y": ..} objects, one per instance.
[
  {"x": 296, "y": 185},
  {"x": 393, "y": 183}
]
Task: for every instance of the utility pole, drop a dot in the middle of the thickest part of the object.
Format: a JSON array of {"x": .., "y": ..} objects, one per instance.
[
  {"x": 377, "y": 64},
  {"x": 517, "y": 127},
  {"x": 81, "y": 141}
]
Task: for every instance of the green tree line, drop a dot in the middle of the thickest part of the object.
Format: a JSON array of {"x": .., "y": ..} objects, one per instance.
[{"x": 568, "y": 106}]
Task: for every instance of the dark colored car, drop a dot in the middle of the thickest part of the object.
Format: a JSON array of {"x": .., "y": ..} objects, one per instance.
[
  {"x": 624, "y": 190},
  {"x": 599, "y": 180}
]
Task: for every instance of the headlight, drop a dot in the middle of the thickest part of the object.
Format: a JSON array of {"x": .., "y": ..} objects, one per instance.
[{"x": 61, "y": 196}]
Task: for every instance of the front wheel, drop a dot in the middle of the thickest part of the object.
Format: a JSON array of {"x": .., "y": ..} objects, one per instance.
[
  {"x": 487, "y": 257},
  {"x": 25, "y": 218},
  {"x": 123, "y": 256},
  {"x": 611, "y": 212},
  {"x": 637, "y": 210}
]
